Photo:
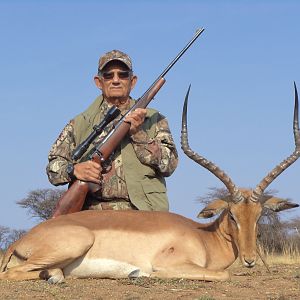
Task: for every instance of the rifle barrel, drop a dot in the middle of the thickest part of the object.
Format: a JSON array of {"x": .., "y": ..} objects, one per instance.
[
  {"x": 189, "y": 44},
  {"x": 173, "y": 62}
]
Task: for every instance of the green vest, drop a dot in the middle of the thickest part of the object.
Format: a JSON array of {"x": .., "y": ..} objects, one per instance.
[{"x": 146, "y": 188}]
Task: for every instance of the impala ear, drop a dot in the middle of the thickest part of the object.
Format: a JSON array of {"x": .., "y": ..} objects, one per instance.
[
  {"x": 277, "y": 204},
  {"x": 213, "y": 208}
]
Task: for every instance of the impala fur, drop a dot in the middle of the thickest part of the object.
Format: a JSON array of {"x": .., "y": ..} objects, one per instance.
[{"x": 118, "y": 244}]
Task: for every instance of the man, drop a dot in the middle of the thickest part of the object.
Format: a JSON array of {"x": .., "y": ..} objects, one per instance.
[{"x": 134, "y": 178}]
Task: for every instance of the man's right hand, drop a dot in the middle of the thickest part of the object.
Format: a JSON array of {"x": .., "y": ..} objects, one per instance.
[{"x": 88, "y": 171}]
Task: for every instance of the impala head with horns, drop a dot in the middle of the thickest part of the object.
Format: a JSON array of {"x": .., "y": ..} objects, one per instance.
[{"x": 242, "y": 208}]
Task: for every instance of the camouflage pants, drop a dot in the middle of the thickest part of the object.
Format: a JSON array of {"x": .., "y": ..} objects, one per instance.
[{"x": 92, "y": 204}]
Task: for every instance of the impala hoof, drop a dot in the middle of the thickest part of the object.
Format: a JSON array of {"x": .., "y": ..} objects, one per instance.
[
  {"x": 53, "y": 276},
  {"x": 134, "y": 274},
  {"x": 56, "y": 279}
]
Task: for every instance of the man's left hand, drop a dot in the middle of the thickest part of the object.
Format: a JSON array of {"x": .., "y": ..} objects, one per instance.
[{"x": 136, "y": 119}]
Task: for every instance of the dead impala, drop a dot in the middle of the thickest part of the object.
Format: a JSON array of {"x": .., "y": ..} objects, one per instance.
[{"x": 116, "y": 244}]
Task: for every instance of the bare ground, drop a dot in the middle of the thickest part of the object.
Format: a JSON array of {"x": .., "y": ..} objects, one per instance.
[{"x": 282, "y": 283}]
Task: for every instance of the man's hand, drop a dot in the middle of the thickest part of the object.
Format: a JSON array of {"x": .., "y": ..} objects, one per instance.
[
  {"x": 88, "y": 171},
  {"x": 136, "y": 119}
]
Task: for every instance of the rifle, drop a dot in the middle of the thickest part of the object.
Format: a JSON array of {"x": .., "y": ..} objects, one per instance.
[
  {"x": 112, "y": 113},
  {"x": 73, "y": 199}
]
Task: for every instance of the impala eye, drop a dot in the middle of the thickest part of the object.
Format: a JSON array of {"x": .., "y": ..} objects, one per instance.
[{"x": 231, "y": 217}]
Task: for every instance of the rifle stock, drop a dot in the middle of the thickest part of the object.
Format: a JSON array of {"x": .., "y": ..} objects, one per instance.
[{"x": 73, "y": 199}]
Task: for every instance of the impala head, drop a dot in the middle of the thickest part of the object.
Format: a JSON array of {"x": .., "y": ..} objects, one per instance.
[
  {"x": 242, "y": 208},
  {"x": 239, "y": 220}
]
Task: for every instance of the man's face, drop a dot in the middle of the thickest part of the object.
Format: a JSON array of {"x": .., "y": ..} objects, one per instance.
[{"x": 115, "y": 81}]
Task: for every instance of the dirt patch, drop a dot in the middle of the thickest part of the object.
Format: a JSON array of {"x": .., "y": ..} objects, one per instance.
[{"x": 282, "y": 283}]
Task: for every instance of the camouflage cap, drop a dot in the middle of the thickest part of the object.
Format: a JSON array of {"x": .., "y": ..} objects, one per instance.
[{"x": 114, "y": 55}]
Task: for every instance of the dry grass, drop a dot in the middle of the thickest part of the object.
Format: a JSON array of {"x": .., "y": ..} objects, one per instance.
[
  {"x": 276, "y": 259},
  {"x": 281, "y": 283},
  {"x": 288, "y": 257}
]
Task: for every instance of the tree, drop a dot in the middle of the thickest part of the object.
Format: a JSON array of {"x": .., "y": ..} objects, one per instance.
[
  {"x": 40, "y": 203},
  {"x": 8, "y": 236},
  {"x": 4, "y": 231}
]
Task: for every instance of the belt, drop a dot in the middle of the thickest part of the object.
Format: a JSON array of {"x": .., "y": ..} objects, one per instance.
[
  {"x": 105, "y": 206},
  {"x": 120, "y": 204}
]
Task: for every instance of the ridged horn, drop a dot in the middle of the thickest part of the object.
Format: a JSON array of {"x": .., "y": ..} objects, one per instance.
[
  {"x": 213, "y": 168},
  {"x": 266, "y": 181}
]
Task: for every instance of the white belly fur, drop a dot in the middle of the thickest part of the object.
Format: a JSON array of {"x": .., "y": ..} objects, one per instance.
[{"x": 101, "y": 268}]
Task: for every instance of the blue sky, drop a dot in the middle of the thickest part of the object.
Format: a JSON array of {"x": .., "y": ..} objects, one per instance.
[{"x": 241, "y": 69}]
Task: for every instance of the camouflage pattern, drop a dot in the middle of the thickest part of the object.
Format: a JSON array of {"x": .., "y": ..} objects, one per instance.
[
  {"x": 114, "y": 55},
  {"x": 94, "y": 204},
  {"x": 158, "y": 152},
  {"x": 60, "y": 155},
  {"x": 113, "y": 181},
  {"x": 62, "y": 149}
]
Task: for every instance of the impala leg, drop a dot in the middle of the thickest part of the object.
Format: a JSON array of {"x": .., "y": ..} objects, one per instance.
[
  {"x": 21, "y": 272},
  {"x": 41, "y": 267},
  {"x": 53, "y": 275},
  {"x": 38, "y": 268},
  {"x": 51, "y": 255},
  {"x": 190, "y": 271},
  {"x": 24, "y": 272}
]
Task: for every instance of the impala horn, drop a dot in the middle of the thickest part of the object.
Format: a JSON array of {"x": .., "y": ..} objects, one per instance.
[
  {"x": 214, "y": 169},
  {"x": 266, "y": 181}
]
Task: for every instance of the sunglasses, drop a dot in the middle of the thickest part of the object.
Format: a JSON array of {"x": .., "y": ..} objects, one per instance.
[{"x": 121, "y": 75}]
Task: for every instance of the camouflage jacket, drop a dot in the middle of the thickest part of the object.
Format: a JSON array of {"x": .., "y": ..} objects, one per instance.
[{"x": 158, "y": 152}]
